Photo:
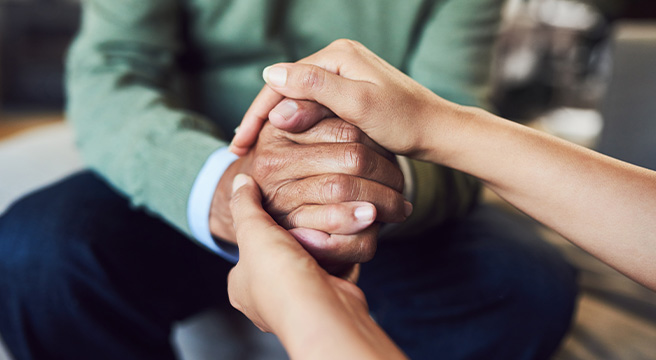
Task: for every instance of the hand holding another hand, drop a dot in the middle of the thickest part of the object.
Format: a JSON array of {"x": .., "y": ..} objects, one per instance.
[
  {"x": 331, "y": 178},
  {"x": 359, "y": 87},
  {"x": 282, "y": 289}
]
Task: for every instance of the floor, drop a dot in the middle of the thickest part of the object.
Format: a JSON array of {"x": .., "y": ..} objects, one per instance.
[{"x": 15, "y": 124}]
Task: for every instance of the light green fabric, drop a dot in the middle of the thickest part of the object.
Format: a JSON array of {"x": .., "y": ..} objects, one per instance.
[{"x": 153, "y": 84}]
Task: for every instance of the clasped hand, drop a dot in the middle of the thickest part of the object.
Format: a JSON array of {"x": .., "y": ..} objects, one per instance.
[{"x": 330, "y": 185}]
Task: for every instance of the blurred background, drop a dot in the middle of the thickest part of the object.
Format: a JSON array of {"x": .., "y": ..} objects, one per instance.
[
  {"x": 553, "y": 59},
  {"x": 584, "y": 70}
]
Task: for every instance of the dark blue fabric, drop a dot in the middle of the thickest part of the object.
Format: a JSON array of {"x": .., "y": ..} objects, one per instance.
[
  {"x": 487, "y": 287},
  {"x": 84, "y": 276}
]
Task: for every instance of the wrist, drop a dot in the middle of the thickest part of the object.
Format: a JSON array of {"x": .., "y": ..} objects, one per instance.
[{"x": 449, "y": 132}]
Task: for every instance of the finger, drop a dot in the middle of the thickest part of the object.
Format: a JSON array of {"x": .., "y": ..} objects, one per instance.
[
  {"x": 345, "y": 97},
  {"x": 336, "y": 130},
  {"x": 344, "y": 218},
  {"x": 253, "y": 120},
  {"x": 342, "y": 158},
  {"x": 246, "y": 206},
  {"x": 298, "y": 115},
  {"x": 334, "y": 251},
  {"x": 250, "y": 219},
  {"x": 334, "y": 265},
  {"x": 338, "y": 188}
]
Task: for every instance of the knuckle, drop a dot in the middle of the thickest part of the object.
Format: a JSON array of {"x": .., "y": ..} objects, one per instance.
[
  {"x": 276, "y": 200},
  {"x": 313, "y": 79},
  {"x": 357, "y": 158},
  {"x": 345, "y": 132},
  {"x": 345, "y": 44},
  {"x": 265, "y": 164},
  {"x": 356, "y": 44},
  {"x": 336, "y": 188}
]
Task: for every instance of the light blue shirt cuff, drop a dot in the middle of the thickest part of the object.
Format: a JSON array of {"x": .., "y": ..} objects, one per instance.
[{"x": 200, "y": 202}]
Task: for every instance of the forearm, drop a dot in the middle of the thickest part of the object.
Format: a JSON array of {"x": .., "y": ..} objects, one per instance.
[
  {"x": 462, "y": 77},
  {"x": 345, "y": 341},
  {"x": 601, "y": 204}
]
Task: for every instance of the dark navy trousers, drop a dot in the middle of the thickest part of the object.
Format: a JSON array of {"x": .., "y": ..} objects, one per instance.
[{"x": 85, "y": 276}]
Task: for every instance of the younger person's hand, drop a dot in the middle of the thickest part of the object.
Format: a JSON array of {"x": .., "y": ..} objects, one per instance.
[
  {"x": 359, "y": 87},
  {"x": 282, "y": 289},
  {"x": 331, "y": 178}
]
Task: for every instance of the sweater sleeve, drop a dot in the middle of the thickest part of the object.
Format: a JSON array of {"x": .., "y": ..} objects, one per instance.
[
  {"x": 451, "y": 56},
  {"x": 130, "y": 123}
]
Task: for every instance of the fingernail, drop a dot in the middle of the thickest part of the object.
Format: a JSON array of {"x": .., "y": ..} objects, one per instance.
[
  {"x": 364, "y": 214},
  {"x": 408, "y": 208},
  {"x": 239, "y": 181},
  {"x": 275, "y": 75},
  {"x": 236, "y": 130},
  {"x": 286, "y": 109}
]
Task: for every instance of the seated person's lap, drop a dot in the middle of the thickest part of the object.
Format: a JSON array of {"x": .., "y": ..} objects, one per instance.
[
  {"x": 485, "y": 287},
  {"x": 83, "y": 271},
  {"x": 76, "y": 257}
]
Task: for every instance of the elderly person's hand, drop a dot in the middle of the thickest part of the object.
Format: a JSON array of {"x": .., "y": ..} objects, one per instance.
[
  {"x": 282, "y": 289},
  {"x": 601, "y": 204},
  {"x": 325, "y": 178}
]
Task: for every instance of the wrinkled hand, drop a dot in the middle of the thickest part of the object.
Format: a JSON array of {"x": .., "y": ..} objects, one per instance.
[
  {"x": 358, "y": 87},
  {"x": 326, "y": 178},
  {"x": 283, "y": 290}
]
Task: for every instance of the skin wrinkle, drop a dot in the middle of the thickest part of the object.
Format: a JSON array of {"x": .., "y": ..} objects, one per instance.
[
  {"x": 313, "y": 80},
  {"x": 331, "y": 163},
  {"x": 389, "y": 203},
  {"x": 320, "y": 292},
  {"x": 346, "y": 132},
  {"x": 333, "y": 188}
]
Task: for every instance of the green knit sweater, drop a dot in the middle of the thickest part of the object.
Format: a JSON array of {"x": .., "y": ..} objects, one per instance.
[{"x": 155, "y": 86}]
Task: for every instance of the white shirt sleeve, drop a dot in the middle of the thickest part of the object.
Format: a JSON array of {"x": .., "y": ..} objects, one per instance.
[{"x": 200, "y": 202}]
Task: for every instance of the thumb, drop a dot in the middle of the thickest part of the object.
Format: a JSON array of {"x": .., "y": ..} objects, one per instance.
[
  {"x": 344, "y": 97},
  {"x": 250, "y": 219},
  {"x": 247, "y": 132}
]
